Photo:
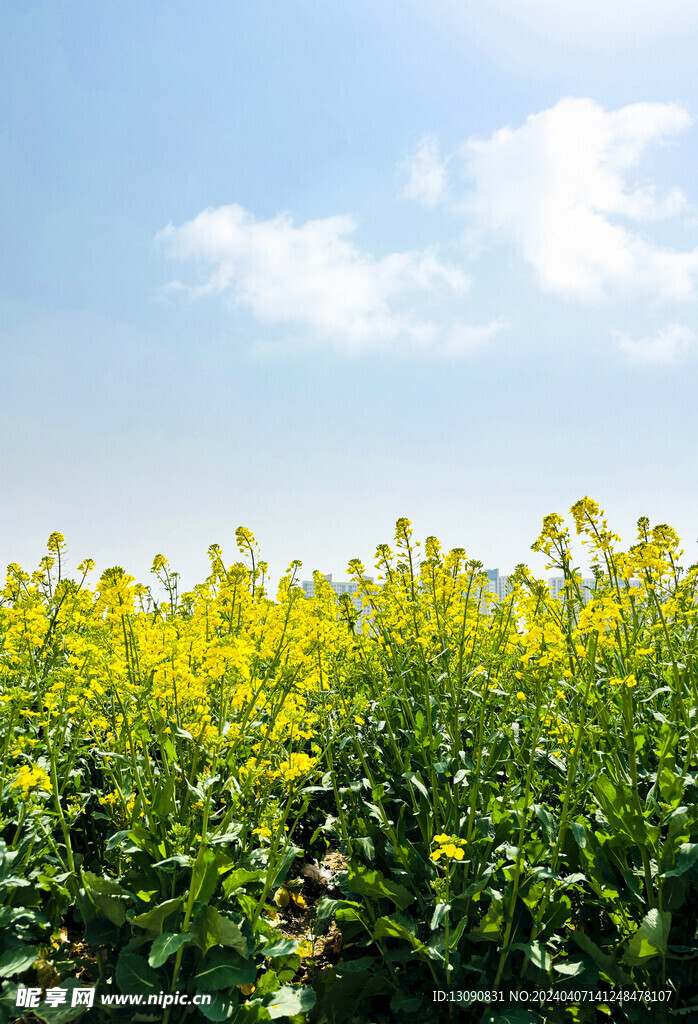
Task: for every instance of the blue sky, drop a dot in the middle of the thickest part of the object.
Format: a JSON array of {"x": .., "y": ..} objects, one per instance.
[{"x": 310, "y": 267}]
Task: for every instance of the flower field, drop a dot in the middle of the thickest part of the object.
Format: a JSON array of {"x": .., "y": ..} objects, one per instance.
[{"x": 436, "y": 807}]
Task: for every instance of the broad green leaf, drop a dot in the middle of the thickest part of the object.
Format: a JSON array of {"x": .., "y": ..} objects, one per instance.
[
  {"x": 491, "y": 923},
  {"x": 64, "y": 1012},
  {"x": 14, "y": 961},
  {"x": 220, "y": 1007},
  {"x": 402, "y": 1003},
  {"x": 570, "y": 968},
  {"x": 134, "y": 974},
  {"x": 164, "y": 946},
  {"x": 284, "y": 863},
  {"x": 440, "y": 911},
  {"x": 110, "y": 907},
  {"x": 96, "y": 885},
  {"x": 389, "y": 928},
  {"x": 239, "y": 878},
  {"x": 686, "y": 858},
  {"x": 550, "y": 825},
  {"x": 210, "y": 929},
  {"x": 617, "y": 804},
  {"x": 152, "y": 920},
  {"x": 536, "y": 953},
  {"x": 222, "y": 968},
  {"x": 650, "y": 939},
  {"x": 326, "y": 910},
  {"x": 282, "y": 947},
  {"x": 207, "y": 872},
  {"x": 368, "y": 882},
  {"x": 8, "y": 1002},
  {"x": 289, "y": 1000},
  {"x": 163, "y": 801}
]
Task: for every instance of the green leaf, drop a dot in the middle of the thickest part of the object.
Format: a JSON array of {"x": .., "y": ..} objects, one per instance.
[
  {"x": 650, "y": 939},
  {"x": 21, "y": 916},
  {"x": 686, "y": 858},
  {"x": 570, "y": 968},
  {"x": 118, "y": 839},
  {"x": 390, "y": 928},
  {"x": 220, "y": 1007},
  {"x": 96, "y": 885},
  {"x": 14, "y": 961},
  {"x": 181, "y": 860},
  {"x": 605, "y": 961},
  {"x": 239, "y": 878},
  {"x": 366, "y": 845},
  {"x": 536, "y": 953},
  {"x": 616, "y": 801},
  {"x": 416, "y": 781},
  {"x": 134, "y": 974},
  {"x": 403, "y": 1003},
  {"x": 164, "y": 946},
  {"x": 99, "y": 931},
  {"x": 223, "y": 968},
  {"x": 8, "y": 1002},
  {"x": 326, "y": 910},
  {"x": 163, "y": 803},
  {"x": 210, "y": 928},
  {"x": 368, "y": 882},
  {"x": 359, "y": 966},
  {"x": 491, "y": 923},
  {"x": 549, "y": 823},
  {"x": 580, "y": 834},
  {"x": 152, "y": 920},
  {"x": 287, "y": 858},
  {"x": 283, "y": 947},
  {"x": 64, "y": 1012},
  {"x": 111, "y": 908},
  {"x": 207, "y": 872},
  {"x": 440, "y": 911},
  {"x": 289, "y": 1000}
]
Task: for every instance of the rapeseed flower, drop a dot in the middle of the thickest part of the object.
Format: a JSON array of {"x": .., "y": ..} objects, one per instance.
[
  {"x": 29, "y": 780},
  {"x": 450, "y": 847}
]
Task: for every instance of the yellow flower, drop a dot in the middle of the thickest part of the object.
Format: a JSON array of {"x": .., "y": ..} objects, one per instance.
[
  {"x": 30, "y": 779},
  {"x": 450, "y": 851},
  {"x": 521, "y": 695},
  {"x": 449, "y": 847}
]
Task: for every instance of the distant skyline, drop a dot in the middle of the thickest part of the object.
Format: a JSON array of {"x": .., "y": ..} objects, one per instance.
[{"x": 310, "y": 268}]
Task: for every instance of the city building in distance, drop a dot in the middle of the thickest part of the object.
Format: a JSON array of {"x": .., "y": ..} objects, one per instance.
[
  {"x": 499, "y": 584},
  {"x": 339, "y": 587},
  {"x": 502, "y": 587}
]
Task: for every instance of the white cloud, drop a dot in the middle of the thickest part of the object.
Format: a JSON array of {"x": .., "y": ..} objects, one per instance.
[
  {"x": 313, "y": 276},
  {"x": 556, "y": 187},
  {"x": 659, "y": 349},
  {"x": 425, "y": 173}
]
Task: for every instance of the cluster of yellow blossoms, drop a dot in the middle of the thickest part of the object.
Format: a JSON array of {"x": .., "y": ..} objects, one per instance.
[
  {"x": 252, "y": 682},
  {"x": 31, "y": 780},
  {"x": 450, "y": 848}
]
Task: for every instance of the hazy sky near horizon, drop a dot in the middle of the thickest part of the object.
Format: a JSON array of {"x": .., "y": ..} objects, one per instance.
[{"x": 311, "y": 267}]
